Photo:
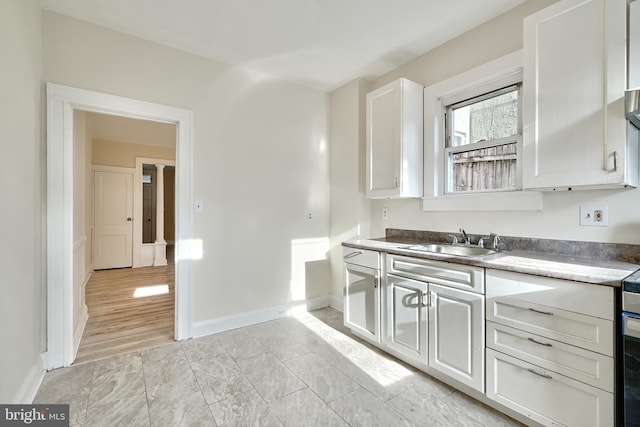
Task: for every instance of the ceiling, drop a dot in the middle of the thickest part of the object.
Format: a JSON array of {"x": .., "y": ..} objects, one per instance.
[
  {"x": 318, "y": 43},
  {"x": 106, "y": 127}
]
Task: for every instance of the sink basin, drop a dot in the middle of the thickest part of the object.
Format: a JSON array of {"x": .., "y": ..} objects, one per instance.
[{"x": 459, "y": 250}]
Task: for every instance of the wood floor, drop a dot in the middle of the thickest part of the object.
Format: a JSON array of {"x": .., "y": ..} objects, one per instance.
[{"x": 121, "y": 323}]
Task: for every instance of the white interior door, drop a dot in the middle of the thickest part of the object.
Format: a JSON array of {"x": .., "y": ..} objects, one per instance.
[{"x": 113, "y": 220}]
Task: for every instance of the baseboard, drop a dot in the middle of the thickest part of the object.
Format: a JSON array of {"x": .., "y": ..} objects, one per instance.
[
  {"x": 213, "y": 326},
  {"x": 337, "y": 303},
  {"x": 32, "y": 382}
]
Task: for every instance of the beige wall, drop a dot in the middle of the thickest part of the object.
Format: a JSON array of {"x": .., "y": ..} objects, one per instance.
[
  {"x": 260, "y": 158},
  {"x": 22, "y": 192},
  {"x": 560, "y": 215},
  {"x": 350, "y": 212},
  {"x": 111, "y": 153}
]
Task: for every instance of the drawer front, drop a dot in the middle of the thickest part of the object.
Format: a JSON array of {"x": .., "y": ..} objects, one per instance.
[
  {"x": 442, "y": 273},
  {"x": 546, "y": 397},
  {"x": 593, "y": 300},
  {"x": 587, "y": 366},
  {"x": 576, "y": 329},
  {"x": 361, "y": 257}
]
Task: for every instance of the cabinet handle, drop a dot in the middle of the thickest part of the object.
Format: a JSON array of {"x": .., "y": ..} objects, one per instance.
[
  {"x": 539, "y": 374},
  {"x": 615, "y": 161},
  {"x": 425, "y": 296},
  {"x": 376, "y": 279},
  {"x": 352, "y": 254},
  {"x": 548, "y": 313},
  {"x": 541, "y": 343},
  {"x": 397, "y": 182}
]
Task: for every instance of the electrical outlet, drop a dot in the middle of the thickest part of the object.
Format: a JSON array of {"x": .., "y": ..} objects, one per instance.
[
  {"x": 385, "y": 214},
  {"x": 309, "y": 216},
  {"x": 595, "y": 216}
]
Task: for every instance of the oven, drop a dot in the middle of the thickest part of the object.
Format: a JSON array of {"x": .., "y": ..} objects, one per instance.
[{"x": 631, "y": 349}]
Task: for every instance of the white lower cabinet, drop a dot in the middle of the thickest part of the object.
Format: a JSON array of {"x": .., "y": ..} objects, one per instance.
[
  {"x": 433, "y": 325},
  {"x": 405, "y": 318},
  {"x": 544, "y": 396},
  {"x": 548, "y": 353},
  {"x": 362, "y": 293},
  {"x": 550, "y": 349},
  {"x": 587, "y": 366},
  {"x": 456, "y": 334}
]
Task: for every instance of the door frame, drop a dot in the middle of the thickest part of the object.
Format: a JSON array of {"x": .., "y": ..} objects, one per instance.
[
  {"x": 137, "y": 204},
  {"x": 61, "y": 103}
]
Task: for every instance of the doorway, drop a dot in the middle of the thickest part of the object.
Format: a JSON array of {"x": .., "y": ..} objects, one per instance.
[{"x": 62, "y": 101}]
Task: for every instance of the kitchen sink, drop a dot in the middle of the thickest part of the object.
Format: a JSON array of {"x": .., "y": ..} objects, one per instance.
[{"x": 458, "y": 250}]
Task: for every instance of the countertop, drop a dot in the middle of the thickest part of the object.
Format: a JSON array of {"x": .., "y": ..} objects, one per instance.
[{"x": 581, "y": 269}]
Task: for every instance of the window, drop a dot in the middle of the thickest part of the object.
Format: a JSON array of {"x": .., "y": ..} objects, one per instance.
[
  {"x": 482, "y": 142},
  {"x": 466, "y": 145}
]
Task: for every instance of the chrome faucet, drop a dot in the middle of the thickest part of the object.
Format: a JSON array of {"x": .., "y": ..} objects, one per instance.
[
  {"x": 466, "y": 239},
  {"x": 494, "y": 237}
]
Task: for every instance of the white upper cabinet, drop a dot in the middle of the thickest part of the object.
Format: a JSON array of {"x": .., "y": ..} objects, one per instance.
[
  {"x": 574, "y": 129},
  {"x": 394, "y": 140}
]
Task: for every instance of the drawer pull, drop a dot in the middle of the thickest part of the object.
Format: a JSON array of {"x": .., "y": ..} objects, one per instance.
[
  {"x": 541, "y": 343},
  {"x": 548, "y": 313},
  {"x": 352, "y": 254},
  {"x": 539, "y": 374}
]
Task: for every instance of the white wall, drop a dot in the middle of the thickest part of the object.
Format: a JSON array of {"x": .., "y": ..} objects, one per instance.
[
  {"x": 350, "y": 212},
  {"x": 22, "y": 194},
  {"x": 560, "y": 215},
  {"x": 260, "y": 161}
]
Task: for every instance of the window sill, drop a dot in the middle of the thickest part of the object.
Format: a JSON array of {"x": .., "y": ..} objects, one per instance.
[{"x": 503, "y": 201}]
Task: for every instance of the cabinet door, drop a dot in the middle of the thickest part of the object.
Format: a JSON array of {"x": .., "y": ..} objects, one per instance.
[
  {"x": 546, "y": 397},
  {"x": 574, "y": 131},
  {"x": 394, "y": 140},
  {"x": 456, "y": 335},
  {"x": 383, "y": 140},
  {"x": 406, "y": 317},
  {"x": 361, "y": 308}
]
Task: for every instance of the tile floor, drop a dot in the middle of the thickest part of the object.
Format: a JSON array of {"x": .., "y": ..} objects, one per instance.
[{"x": 306, "y": 370}]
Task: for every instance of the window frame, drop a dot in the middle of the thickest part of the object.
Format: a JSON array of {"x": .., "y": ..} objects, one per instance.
[
  {"x": 497, "y": 73},
  {"x": 450, "y": 149}
]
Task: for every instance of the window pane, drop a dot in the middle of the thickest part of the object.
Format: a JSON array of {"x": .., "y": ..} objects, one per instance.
[
  {"x": 487, "y": 169},
  {"x": 488, "y": 119}
]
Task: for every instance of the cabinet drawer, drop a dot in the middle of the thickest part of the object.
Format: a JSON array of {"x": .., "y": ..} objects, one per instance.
[
  {"x": 583, "y": 298},
  {"x": 546, "y": 397},
  {"x": 441, "y": 273},
  {"x": 572, "y": 328},
  {"x": 587, "y": 366},
  {"x": 363, "y": 257}
]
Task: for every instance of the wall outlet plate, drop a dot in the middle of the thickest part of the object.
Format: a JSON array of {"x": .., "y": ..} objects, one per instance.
[
  {"x": 594, "y": 216},
  {"x": 385, "y": 214}
]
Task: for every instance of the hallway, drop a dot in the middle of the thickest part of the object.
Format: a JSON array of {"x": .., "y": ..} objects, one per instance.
[{"x": 130, "y": 309}]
